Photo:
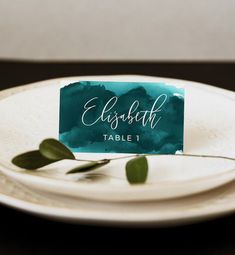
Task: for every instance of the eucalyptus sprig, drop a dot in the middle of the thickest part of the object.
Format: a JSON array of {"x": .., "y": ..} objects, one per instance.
[{"x": 51, "y": 151}]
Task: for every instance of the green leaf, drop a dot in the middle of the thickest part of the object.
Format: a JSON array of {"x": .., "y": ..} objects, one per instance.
[
  {"x": 31, "y": 160},
  {"x": 88, "y": 166},
  {"x": 55, "y": 150},
  {"x": 137, "y": 170}
]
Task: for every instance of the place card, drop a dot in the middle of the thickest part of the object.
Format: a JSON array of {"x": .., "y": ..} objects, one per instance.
[{"x": 122, "y": 117}]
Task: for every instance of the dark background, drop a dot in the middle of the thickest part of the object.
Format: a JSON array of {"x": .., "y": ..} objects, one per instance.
[
  {"x": 219, "y": 74},
  {"x": 21, "y": 233}
]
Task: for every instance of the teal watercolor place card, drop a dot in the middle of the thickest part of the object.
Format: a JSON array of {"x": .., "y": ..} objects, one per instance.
[{"x": 122, "y": 117}]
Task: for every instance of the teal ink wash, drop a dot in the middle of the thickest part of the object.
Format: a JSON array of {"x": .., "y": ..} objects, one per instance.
[{"x": 122, "y": 117}]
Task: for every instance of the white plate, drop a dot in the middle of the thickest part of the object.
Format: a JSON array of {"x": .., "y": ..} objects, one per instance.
[
  {"x": 32, "y": 115},
  {"x": 187, "y": 210}
]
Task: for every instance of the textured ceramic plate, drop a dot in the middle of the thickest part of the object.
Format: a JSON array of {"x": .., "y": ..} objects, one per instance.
[
  {"x": 31, "y": 115},
  {"x": 186, "y": 210}
]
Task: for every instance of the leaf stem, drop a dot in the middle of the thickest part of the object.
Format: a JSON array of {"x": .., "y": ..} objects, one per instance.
[
  {"x": 128, "y": 156},
  {"x": 205, "y": 156},
  {"x": 111, "y": 159},
  {"x": 175, "y": 155},
  {"x": 86, "y": 160}
]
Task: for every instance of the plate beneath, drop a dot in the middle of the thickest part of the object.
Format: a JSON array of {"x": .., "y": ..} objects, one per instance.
[
  {"x": 187, "y": 210},
  {"x": 30, "y": 113}
]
